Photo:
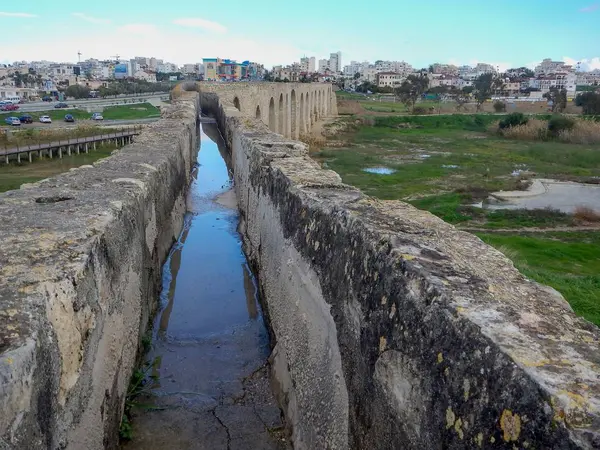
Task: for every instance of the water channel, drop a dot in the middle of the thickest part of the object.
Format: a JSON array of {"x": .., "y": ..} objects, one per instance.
[{"x": 209, "y": 384}]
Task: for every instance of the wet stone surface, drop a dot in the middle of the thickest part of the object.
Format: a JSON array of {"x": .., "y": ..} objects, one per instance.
[{"x": 208, "y": 381}]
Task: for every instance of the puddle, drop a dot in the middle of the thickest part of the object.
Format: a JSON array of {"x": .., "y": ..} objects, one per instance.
[
  {"x": 450, "y": 166},
  {"x": 379, "y": 170},
  {"x": 563, "y": 196},
  {"x": 210, "y": 384}
]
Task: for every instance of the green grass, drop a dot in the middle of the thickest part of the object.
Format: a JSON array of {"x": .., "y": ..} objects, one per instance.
[
  {"x": 442, "y": 154},
  {"x": 13, "y": 175},
  {"x": 119, "y": 112},
  {"x": 130, "y": 112},
  {"x": 567, "y": 261},
  {"x": 446, "y": 163}
]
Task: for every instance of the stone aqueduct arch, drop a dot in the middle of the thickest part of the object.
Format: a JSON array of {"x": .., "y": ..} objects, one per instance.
[{"x": 290, "y": 109}]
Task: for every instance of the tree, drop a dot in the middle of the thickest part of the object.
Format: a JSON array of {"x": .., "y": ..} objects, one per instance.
[
  {"x": 365, "y": 87},
  {"x": 268, "y": 76},
  {"x": 357, "y": 75},
  {"x": 499, "y": 106},
  {"x": 412, "y": 89},
  {"x": 498, "y": 85},
  {"x": 17, "y": 78},
  {"x": 440, "y": 93},
  {"x": 590, "y": 102},
  {"x": 483, "y": 87},
  {"x": 77, "y": 91},
  {"x": 461, "y": 96},
  {"x": 558, "y": 97}
]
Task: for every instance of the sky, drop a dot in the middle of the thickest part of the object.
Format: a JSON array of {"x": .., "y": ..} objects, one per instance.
[{"x": 510, "y": 33}]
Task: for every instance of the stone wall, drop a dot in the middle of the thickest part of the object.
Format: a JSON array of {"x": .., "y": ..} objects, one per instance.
[
  {"x": 80, "y": 270},
  {"x": 392, "y": 328}
]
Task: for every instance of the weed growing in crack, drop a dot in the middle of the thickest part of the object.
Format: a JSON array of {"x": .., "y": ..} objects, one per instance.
[{"x": 140, "y": 383}]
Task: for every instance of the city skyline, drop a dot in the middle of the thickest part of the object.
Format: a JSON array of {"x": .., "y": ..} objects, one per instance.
[{"x": 521, "y": 35}]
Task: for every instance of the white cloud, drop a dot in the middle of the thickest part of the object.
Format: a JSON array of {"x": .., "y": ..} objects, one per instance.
[
  {"x": 586, "y": 64},
  {"x": 91, "y": 19},
  {"x": 17, "y": 14},
  {"x": 143, "y": 39},
  {"x": 197, "y": 22}
]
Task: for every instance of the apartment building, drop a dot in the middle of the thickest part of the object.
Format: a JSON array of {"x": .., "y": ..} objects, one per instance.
[
  {"x": 389, "y": 79},
  {"x": 547, "y": 67},
  {"x": 335, "y": 62}
]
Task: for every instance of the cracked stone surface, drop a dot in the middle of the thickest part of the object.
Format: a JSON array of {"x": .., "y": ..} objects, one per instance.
[{"x": 210, "y": 385}]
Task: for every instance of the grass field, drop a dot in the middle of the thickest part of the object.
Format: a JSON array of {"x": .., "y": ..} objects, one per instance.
[
  {"x": 13, "y": 175},
  {"x": 130, "y": 112},
  {"x": 119, "y": 112},
  {"x": 348, "y": 103},
  {"x": 444, "y": 164}
]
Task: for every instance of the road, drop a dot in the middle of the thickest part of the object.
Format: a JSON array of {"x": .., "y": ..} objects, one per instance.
[
  {"x": 99, "y": 103},
  {"x": 60, "y": 124}
]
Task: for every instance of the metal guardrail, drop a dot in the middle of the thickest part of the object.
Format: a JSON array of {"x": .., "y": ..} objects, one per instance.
[{"x": 62, "y": 143}]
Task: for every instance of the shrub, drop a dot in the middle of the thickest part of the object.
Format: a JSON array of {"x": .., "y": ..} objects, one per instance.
[
  {"x": 531, "y": 130},
  {"x": 499, "y": 106},
  {"x": 585, "y": 214},
  {"x": 513, "y": 120},
  {"x": 558, "y": 124},
  {"x": 584, "y": 132},
  {"x": 419, "y": 110}
]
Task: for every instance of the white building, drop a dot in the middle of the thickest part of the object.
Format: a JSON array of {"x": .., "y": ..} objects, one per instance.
[
  {"x": 547, "y": 67},
  {"x": 335, "y": 62},
  {"x": 323, "y": 65},
  {"x": 559, "y": 81},
  {"x": 389, "y": 79},
  {"x": 141, "y": 75},
  {"x": 167, "y": 68}
]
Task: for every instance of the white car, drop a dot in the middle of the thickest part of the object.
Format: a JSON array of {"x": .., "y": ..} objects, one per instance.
[
  {"x": 45, "y": 119},
  {"x": 97, "y": 116}
]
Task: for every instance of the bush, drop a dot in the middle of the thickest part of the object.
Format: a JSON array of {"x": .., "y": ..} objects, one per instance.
[
  {"x": 590, "y": 102},
  {"x": 531, "y": 130},
  {"x": 513, "y": 120},
  {"x": 417, "y": 110},
  {"x": 585, "y": 131},
  {"x": 558, "y": 124},
  {"x": 585, "y": 214},
  {"x": 499, "y": 106}
]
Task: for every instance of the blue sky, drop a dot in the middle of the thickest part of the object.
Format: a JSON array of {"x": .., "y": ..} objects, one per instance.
[{"x": 507, "y": 33}]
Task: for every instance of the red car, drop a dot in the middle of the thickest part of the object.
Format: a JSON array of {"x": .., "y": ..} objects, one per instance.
[{"x": 10, "y": 107}]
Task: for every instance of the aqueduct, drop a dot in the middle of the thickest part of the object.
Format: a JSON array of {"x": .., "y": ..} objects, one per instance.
[
  {"x": 392, "y": 329},
  {"x": 289, "y": 109}
]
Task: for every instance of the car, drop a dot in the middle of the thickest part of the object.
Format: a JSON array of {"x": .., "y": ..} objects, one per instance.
[
  {"x": 97, "y": 116},
  {"x": 61, "y": 105},
  {"x": 69, "y": 118},
  {"x": 26, "y": 118},
  {"x": 14, "y": 121},
  {"x": 9, "y": 107},
  {"x": 47, "y": 98},
  {"x": 45, "y": 119}
]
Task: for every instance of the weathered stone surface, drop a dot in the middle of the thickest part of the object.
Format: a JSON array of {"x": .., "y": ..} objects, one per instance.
[
  {"x": 392, "y": 328},
  {"x": 80, "y": 265}
]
